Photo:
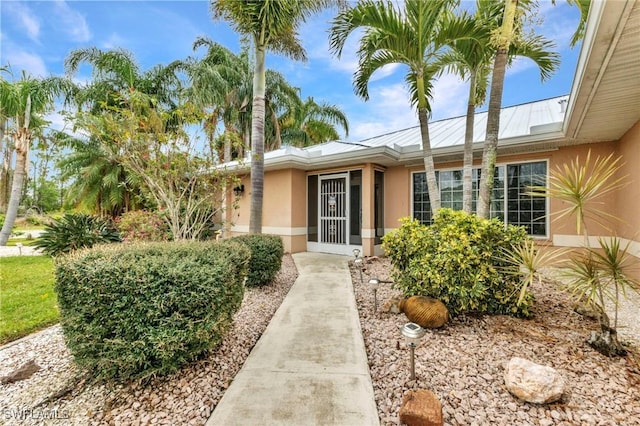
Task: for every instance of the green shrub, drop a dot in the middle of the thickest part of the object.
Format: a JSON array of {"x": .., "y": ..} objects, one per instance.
[
  {"x": 142, "y": 225},
  {"x": 132, "y": 311},
  {"x": 36, "y": 220},
  {"x": 457, "y": 260},
  {"x": 266, "y": 257},
  {"x": 76, "y": 231}
]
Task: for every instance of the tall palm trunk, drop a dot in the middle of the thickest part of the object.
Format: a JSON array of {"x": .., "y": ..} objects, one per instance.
[
  {"x": 257, "y": 142},
  {"x": 490, "y": 149},
  {"x": 23, "y": 139},
  {"x": 429, "y": 167},
  {"x": 467, "y": 162},
  {"x": 5, "y": 173}
]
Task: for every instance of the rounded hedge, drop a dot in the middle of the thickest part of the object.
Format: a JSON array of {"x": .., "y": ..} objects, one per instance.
[
  {"x": 457, "y": 260},
  {"x": 141, "y": 310},
  {"x": 266, "y": 257}
]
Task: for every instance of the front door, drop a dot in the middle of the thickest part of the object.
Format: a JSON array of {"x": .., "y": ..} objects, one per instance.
[{"x": 334, "y": 210}]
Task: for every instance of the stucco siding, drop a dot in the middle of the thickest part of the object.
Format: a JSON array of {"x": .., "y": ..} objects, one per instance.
[
  {"x": 298, "y": 199},
  {"x": 628, "y": 207},
  {"x": 397, "y": 193},
  {"x": 566, "y": 226}
]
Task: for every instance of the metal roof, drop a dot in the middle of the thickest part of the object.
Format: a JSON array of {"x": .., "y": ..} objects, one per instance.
[
  {"x": 515, "y": 121},
  {"x": 519, "y": 124}
]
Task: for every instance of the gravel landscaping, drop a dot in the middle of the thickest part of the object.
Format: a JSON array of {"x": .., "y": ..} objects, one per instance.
[
  {"x": 186, "y": 397},
  {"x": 463, "y": 363}
]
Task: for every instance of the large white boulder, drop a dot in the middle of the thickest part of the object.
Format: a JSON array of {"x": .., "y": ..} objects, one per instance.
[{"x": 532, "y": 382}]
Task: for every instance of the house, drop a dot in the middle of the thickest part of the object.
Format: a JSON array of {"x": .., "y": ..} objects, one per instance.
[{"x": 339, "y": 196}]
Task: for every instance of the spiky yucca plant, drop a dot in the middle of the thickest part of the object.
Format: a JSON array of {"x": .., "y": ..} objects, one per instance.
[
  {"x": 592, "y": 273},
  {"x": 526, "y": 260}
]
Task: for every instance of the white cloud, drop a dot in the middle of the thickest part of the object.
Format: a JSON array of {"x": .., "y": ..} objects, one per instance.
[
  {"x": 383, "y": 72},
  {"x": 450, "y": 97},
  {"x": 72, "y": 22},
  {"x": 24, "y": 17},
  {"x": 29, "y": 62},
  {"x": 114, "y": 41},
  {"x": 389, "y": 109}
]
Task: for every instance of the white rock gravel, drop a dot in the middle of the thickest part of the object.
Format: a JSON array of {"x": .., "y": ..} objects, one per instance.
[
  {"x": 184, "y": 398},
  {"x": 463, "y": 363}
]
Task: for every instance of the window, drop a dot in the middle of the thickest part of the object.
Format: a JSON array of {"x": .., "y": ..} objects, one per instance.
[
  {"x": 512, "y": 180},
  {"x": 526, "y": 210}
]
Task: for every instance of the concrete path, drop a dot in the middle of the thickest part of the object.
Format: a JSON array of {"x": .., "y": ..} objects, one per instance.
[
  {"x": 310, "y": 366},
  {"x": 6, "y": 251}
]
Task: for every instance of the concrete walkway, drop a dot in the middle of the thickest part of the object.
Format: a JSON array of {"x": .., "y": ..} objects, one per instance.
[{"x": 310, "y": 366}]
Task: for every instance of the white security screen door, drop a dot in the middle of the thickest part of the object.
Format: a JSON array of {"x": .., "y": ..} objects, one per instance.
[{"x": 333, "y": 209}]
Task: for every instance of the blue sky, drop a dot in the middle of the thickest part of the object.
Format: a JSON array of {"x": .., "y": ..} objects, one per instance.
[{"x": 36, "y": 36}]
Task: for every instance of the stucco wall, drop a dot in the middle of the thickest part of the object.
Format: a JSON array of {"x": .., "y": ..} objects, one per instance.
[
  {"x": 628, "y": 207},
  {"x": 567, "y": 225},
  {"x": 397, "y": 194},
  {"x": 283, "y": 209}
]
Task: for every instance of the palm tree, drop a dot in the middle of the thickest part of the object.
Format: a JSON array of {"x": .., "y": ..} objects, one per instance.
[
  {"x": 583, "y": 5},
  {"x": 219, "y": 86},
  {"x": 471, "y": 59},
  {"x": 313, "y": 123},
  {"x": 23, "y": 103},
  {"x": 414, "y": 37},
  {"x": 502, "y": 42},
  {"x": 115, "y": 74},
  {"x": 271, "y": 25},
  {"x": 101, "y": 183},
  {"x": 279, "y": 98}
]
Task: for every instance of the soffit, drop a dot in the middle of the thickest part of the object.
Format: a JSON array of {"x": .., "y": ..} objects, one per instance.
[{"x": 605, "y": 99}]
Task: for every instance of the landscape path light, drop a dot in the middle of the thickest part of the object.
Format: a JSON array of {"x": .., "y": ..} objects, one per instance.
[
  {"x": 358, "y": 263},
  {"x": 375, "y": 283},
  {"x": 19, "y": 245},
  {"x": 412, "y": 333}
]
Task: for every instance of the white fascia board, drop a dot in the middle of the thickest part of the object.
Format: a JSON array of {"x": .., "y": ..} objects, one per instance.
[
  {"x": 602, "y": 32},
  {"x": 360, "y": 155},
  {"x": 502, "y": 143}
]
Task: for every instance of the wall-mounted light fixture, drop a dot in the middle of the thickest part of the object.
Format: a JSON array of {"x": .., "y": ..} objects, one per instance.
[{"x": 238, "y": 190}]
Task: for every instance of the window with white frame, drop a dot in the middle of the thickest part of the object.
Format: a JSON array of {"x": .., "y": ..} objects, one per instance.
[{"x": 509, "y": 202}]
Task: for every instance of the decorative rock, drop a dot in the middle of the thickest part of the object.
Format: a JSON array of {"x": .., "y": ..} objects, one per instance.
[
  {"x": 532, "y": 382},
  {"x": 22, "y": 373},
  {"x": 421, "y": 408},
  {"x": 424, "y": 311}
]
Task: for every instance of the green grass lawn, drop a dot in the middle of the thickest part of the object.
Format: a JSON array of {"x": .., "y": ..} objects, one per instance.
[
  {"x": 13, "y": 241},
  {"x": 27, "y": 300}
]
